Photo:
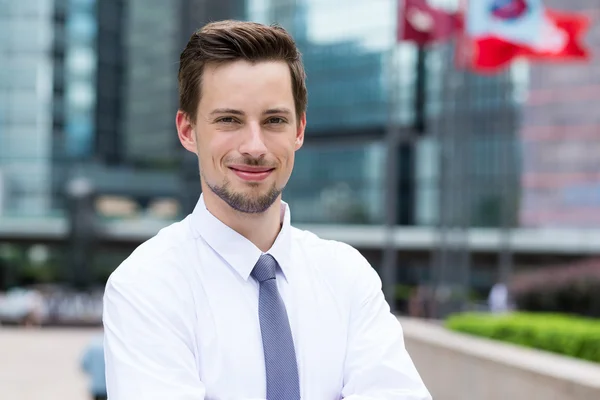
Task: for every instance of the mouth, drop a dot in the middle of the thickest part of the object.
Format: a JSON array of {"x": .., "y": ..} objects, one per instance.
[{"x": 250, "y": 173}]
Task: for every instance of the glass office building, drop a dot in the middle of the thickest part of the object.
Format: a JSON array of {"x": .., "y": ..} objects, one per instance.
[
  {"x": 26, "y": 85},
  {"x": 93, "y": 91},
  {"x": 561, "y": 139},
  {"x": 111, "y": 93},
  {"x": 88, "y": 58},
  {"x": 153, "y": 41},
  {"x": 80, "y": 77}
]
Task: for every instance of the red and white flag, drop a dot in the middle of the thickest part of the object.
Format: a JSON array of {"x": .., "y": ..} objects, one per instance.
[
  {"x": 499, "y": 31},
  {"x": 423, "y": 24}
]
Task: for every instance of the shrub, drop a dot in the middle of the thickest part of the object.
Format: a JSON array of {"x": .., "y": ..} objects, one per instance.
[
  {"x": 568, "y": 335},
  {"x": 572, "y": 289}
]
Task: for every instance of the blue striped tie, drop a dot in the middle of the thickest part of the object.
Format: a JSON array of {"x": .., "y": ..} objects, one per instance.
[{"x": 278, "y": 344}]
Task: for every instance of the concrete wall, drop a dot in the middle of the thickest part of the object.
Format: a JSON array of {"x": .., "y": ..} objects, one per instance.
[{"x": 461, "y": 367}]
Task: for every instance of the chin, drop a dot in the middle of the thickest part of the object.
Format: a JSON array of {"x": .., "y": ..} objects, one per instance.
[{"x": 251, "y": 187}]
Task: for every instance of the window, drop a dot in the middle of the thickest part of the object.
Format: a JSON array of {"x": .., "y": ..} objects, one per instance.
[{"x": 341, "y": 184}]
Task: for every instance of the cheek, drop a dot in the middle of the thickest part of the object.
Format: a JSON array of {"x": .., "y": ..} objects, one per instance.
[
  {"x": 284, "y": 150},
  {"x": 214, "y": 151},
  {"x": 290, "y": 158},
  {"x": 286, "y": 160}
]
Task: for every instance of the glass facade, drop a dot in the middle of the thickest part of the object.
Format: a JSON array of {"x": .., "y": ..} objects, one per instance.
[
  {"x": 26, "y": 70},
  {"x": 478, "y": 133},
  {"x": 339, "y": 183},
  {"x": 75, "y": 91},
  {"x": 152, "y": 51},
  {"x": 110, "y": 81},
  {"x": 81, "y": 66}
]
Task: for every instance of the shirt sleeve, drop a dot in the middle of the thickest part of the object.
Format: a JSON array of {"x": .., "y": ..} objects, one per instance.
[
  {"x": 148, "y": 351},
  {"x": 377, "y": 367}
]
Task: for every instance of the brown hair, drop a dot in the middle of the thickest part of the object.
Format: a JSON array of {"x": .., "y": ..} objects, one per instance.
[{"x": 228, "y": 41}]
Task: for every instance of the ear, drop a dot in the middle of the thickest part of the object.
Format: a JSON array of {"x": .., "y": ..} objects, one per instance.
[
  {"x": 185, "y": 132},
  {"x": 300, "y": 131}
]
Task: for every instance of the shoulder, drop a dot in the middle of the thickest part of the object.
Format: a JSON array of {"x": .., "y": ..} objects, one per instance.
[
  {"x": 311, "y": 242},
  {"x": 157, "y": 260},
  {"x": 334, "y": 259},
  {"x": 152, "y": 288}
]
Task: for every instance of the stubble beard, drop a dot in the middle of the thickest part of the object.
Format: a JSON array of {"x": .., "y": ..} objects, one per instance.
[{"x": 245, "y": 202}]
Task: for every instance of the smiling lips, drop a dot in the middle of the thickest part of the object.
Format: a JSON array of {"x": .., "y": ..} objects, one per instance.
[{"x": 250, "y": 173}]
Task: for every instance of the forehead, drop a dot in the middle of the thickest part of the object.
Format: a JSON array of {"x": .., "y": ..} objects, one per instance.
[{"x": 245, "y": 84}]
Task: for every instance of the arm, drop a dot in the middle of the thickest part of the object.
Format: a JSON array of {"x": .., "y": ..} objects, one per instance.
[
  {"x": 378, "y": 367},
  {"x": 148, "y": 349}
]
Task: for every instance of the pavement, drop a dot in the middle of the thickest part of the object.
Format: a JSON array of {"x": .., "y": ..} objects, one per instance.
[{"x": 43, "y": 364}]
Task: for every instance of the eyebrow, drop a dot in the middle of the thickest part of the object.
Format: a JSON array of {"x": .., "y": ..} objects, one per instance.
[
  {"x": 233, "y": 111},
  {"x": 277, "y": 111},
  {"x": 226, "y": 111}
]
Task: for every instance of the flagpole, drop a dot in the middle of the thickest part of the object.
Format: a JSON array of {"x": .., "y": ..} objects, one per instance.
[
  {"x": 505, "y": 258},
  {"x": 445, "y": 131},
  {"x": 400, "y": 160},
  {"x": 437, "y": 251},
  {"x": 389, "y": 256},
  {"x": 391, "y": 140}
]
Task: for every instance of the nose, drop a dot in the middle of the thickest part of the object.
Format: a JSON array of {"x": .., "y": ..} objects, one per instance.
[{"x": 253, "y": 143}]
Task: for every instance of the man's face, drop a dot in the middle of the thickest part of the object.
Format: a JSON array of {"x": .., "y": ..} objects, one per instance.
[{"x": 247, "y": 132}]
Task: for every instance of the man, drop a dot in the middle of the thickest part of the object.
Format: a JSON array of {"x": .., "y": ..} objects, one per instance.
[
  {"x": 92, "y": 363},
  {"x": 232, "y": 302},
  {"x": 498, "y": 298}
]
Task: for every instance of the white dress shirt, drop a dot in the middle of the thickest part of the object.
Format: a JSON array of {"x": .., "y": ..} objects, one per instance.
[{"x": 181, "y": 319}]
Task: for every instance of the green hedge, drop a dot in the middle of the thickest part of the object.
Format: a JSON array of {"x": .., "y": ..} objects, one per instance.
[{"x": 568, "y": 335}]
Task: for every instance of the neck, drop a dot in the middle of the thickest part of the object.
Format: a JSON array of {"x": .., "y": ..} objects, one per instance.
[{"x": 261, "y": 229}]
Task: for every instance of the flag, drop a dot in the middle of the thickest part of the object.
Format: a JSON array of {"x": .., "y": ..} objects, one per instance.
[
  {"x": 564, "y": 38},
  {"x": 499, "y": 31},
  {"x": 420, "y": 23}
]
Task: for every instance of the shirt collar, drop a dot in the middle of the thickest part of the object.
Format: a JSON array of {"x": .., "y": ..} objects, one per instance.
[{"x": 234, "y": 248}]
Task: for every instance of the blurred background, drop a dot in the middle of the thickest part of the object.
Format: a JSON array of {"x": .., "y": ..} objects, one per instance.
[{"x": 449, "y": 181}]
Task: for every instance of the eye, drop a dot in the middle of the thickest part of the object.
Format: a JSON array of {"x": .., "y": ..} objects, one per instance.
[
  {"x": 276, "y": 120},
  {"x": 226, "y": 120}
]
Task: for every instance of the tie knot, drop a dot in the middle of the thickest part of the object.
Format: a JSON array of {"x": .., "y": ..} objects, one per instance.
[{"x": 265, "y": 268}]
